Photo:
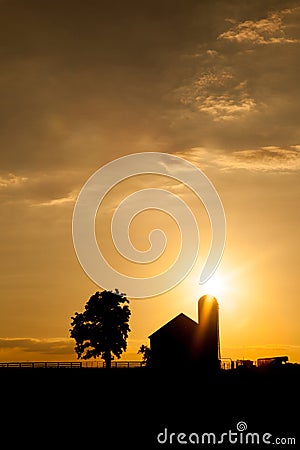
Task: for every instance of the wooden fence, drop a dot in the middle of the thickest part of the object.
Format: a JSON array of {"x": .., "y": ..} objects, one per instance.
[
  {"x": 41, "y": 365},
  {"x": 225, "y": 364},
  {"x": 70, "y": 365}
]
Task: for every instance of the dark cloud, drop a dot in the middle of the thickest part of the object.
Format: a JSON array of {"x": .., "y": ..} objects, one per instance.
[
  {"x": 84, "y": 82},
  {"x": 79, "y": 74},
  {"x": 38, "y": 189},
  {"x": 32, "y": 345}
]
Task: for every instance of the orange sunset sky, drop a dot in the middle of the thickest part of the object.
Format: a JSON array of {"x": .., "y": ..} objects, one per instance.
[{"x": 213, "y": 82}]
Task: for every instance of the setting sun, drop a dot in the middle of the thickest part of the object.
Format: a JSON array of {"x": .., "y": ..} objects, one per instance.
[
  {"x": 216, "y": 286},
  {"x": 225, "y": 285}
]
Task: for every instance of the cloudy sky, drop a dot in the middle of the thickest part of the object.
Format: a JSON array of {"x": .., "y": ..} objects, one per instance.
[{"x": 214, "y": 82}]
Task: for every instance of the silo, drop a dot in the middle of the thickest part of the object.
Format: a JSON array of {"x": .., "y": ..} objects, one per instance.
[{"x": 208, "y": 338}]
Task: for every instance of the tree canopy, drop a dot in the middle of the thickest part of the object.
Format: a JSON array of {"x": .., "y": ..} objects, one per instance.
[{"x": 102, "y": 328}]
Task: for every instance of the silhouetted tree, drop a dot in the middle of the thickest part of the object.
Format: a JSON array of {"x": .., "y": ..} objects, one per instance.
[
  {"x": 102, "y": 329},
  {"x": 145, "y": 351}
]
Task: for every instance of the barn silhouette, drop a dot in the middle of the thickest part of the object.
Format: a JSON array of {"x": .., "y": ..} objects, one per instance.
[{"x": 184, "y": 343}]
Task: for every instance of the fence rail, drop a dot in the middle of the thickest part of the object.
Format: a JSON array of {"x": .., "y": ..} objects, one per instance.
[
  {"x": 69, "y": 364},
  {"x": 41, "y": 365},
  {"x": 225, "y": 364}
]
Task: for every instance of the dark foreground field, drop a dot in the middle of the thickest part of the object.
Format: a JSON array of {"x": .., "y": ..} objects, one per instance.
[{"x": 129, "y": 408}]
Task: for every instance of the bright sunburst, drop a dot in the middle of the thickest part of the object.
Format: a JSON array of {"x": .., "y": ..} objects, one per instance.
[
  {"x": 215, "y": 286},
  {"x": 222, "y": 285}
]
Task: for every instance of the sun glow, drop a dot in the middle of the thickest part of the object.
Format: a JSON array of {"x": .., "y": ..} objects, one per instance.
[
  {"x": 215, "y": 286},
  {"x": 223, "y": 285}
]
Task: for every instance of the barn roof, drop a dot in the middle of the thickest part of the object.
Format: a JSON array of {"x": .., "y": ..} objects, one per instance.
[{"x": 180, "y": 321}]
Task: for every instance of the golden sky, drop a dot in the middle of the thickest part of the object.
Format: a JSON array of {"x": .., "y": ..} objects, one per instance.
[{"x": 213, "y": 82}]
